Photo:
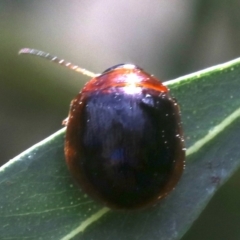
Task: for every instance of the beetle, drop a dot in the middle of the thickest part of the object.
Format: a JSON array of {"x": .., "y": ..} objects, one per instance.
[{"x": 124, "y": 142}]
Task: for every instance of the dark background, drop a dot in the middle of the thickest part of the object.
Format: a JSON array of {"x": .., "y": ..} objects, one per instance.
[{"x": 166, "y": 38}]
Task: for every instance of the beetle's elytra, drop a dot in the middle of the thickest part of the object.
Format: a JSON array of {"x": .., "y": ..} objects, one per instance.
[{"x": 124, "y": 140}]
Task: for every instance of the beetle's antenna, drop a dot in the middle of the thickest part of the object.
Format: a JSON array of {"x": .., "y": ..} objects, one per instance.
[{"x": 56, "y": 60}]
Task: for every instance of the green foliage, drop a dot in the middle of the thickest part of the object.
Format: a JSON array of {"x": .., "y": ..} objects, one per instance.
[{"x": 39, "y": 199}]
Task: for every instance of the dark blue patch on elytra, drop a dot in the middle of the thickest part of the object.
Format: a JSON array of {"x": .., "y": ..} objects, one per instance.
[
  {"x": 117, "y": 155},
  {"x": 130, "y": 142}
]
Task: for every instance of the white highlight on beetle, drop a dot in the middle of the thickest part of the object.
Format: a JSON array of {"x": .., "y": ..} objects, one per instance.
[{"x": 131, "y": 84}]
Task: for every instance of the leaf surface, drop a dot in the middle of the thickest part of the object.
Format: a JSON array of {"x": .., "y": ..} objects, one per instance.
[{"x": 39, "y": 199}]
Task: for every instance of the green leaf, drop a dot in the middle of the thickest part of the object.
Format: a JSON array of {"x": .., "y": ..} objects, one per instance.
[{"x": 39, "y": 199}]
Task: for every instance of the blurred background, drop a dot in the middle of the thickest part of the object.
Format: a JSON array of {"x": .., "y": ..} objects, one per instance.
[{"x": 166, "y": 38}]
